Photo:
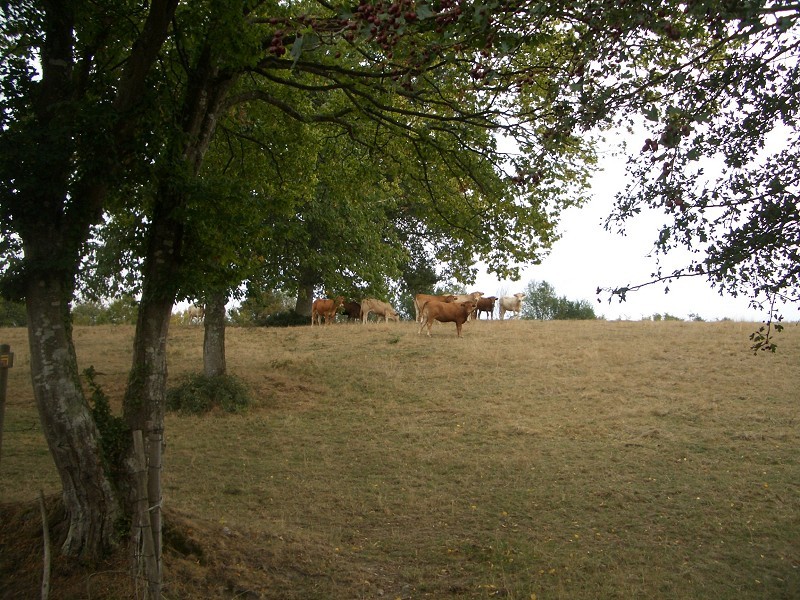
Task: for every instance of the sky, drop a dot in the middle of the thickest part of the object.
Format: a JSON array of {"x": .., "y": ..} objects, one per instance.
[{"x": 587, "y": 257}]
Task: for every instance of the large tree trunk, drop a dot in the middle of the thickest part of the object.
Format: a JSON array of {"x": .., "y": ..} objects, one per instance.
[
  {"x": 305, "y": 298},
  {"x": 71, "y": 434},
  {"x": 214, "y": 338},
  {"x": 305, "y": 292}
]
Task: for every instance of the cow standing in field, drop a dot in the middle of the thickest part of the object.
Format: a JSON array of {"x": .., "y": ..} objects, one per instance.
[
  {"x": 473, "y": 297},
  {"x": 511, "y": 304},
  {"x": 485, "y": 305},
  {"x": 421, "y": 299},
  {"x": 446, "y": 312},
  {"x": 195, "y": 314},
  {"x": 323, "y": 307},
  {"x": 353, "y": 311},
  {"x": 379, "y": 309}
]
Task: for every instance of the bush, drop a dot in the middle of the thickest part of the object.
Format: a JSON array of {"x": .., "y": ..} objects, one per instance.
[
  {"x": 199, "y": 394},
  {"x": 286, "y": 319},
  {"x": 665, "y": 317},
  {"x": 578, "y": 310}
]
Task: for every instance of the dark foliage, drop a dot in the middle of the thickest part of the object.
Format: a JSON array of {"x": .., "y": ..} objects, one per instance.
[{"x": 199, "y": 394}]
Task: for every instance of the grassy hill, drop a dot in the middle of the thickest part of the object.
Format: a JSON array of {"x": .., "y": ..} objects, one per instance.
[{"x": 527, "y": 460}]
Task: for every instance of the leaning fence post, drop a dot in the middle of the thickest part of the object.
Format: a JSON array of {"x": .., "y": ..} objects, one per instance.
[
  {"x": 155, "y": 438},
  {"x": 6, "y": 362},
  {"x": 144, "y": 527}
]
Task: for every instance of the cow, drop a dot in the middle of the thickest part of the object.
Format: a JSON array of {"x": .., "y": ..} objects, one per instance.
[
  {"x": 352, "y": 310},
  {"x": 379, "y": 308},
  {"x": 421, "y": 299},
  {"x": 485, "y": 305},
  {"x": 323, "y": 307},
  {"x": 473, "y": 297},
  {"x": 446, "y": 312},
  {"x": 195, "y": 314},
  {"x": 511, "y": 304}
]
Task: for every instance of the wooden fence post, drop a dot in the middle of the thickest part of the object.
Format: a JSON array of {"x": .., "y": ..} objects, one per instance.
[
  {"x": 151, "y": 571},
  {"x": 155, "y": 438},
  {"x": 6, "y": 362},
  {"x": 46, "y": 541}
]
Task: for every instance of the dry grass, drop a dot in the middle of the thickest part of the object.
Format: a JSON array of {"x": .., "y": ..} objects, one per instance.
[{"x": 526, "y": 460}]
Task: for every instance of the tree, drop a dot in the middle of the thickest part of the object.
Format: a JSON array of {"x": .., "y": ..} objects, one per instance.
[
  {"x": 72, "y": 75},
  {"x": 720, "y": 157},
  {"x": 120, "y": 311},
  {"x": 541, "y": 302},
  {"x": 259, "y": 305}
]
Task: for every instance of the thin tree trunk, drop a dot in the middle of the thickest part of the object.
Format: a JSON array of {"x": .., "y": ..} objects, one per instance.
[
  {"x": 144, "y": 397},
  {"x": 214, "y": 338},
  {"x": 144, "y": 403},
  {"x": 68, "y": 425},
  {"x": 144, "y": 410}
]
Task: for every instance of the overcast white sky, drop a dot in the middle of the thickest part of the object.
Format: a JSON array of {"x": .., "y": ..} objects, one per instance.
[{"x": 588, "y": 257}]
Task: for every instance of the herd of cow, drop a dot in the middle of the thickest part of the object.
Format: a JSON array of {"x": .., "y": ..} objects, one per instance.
[{"x": 452, "y": 308}]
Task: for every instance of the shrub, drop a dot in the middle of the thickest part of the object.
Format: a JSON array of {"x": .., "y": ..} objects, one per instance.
[
  {"x": 199, "y": 394},
  {"x": 286, "y": 319}
]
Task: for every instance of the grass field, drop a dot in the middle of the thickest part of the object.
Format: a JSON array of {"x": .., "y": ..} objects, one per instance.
[{"x": 528, "y": 460}]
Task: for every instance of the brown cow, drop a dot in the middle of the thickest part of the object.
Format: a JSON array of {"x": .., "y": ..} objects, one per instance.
[
  {"x": 446, "y": 312},
  {"x": 485, "y": 305},
  {"x": 421, "y": 299},
  {"x": 474, "y": 297},
  {"x": 323, "y": 307},
  {"x": 352, "y": 310}
]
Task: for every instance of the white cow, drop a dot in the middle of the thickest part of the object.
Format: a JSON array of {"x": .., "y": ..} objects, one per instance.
[
  {"x": 511, "y": 304},
  {"x": 195, "y": 314},
  {"x": 379, "y": 309}
]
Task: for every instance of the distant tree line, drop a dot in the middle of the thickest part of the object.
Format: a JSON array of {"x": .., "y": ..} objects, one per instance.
[
  {"x": 121, "y": 311},
  {"x": 275, "y": 308}
]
